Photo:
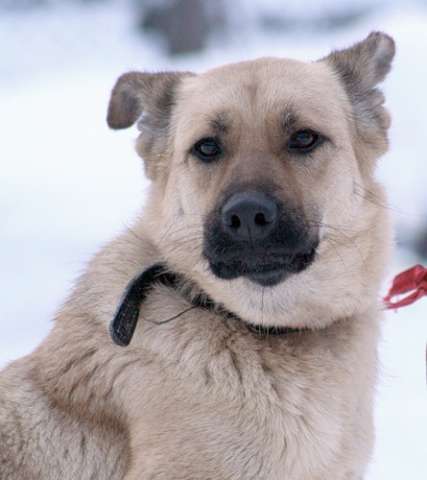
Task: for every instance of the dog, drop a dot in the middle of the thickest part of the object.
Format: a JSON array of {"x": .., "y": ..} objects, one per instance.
[{"x": 231, "y": 333}]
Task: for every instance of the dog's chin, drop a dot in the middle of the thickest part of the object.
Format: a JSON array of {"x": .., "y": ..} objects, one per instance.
[{"x": 263, "y": 274}]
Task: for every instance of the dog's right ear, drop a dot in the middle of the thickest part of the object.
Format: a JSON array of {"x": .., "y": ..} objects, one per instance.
[
  {"x": 136, "y": 93},
  {"x": 146, "y": 98}
]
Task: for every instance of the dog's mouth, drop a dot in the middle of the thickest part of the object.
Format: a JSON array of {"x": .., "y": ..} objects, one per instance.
[
  {"x": 264, "y": 273},
  {"x": 254, "y": 235}
]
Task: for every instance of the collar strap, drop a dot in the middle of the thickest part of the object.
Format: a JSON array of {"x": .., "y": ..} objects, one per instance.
[
  {"x": 124, "y": 322},
  {"x": 126, "y": 317}
]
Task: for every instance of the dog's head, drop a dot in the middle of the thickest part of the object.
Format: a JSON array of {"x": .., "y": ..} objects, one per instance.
[{"x": 263, "y": 190}]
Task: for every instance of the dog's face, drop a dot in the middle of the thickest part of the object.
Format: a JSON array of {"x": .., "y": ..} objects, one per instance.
[{"x": 261, "y": 172}]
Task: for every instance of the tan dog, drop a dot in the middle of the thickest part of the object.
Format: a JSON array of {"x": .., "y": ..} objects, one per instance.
[{"x": 262, "y": 199}]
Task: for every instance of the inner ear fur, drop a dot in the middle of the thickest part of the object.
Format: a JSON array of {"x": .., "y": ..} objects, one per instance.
[{"x": 361, "y": 68}]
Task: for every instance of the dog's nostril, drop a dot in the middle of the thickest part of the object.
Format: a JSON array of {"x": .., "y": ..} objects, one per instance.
[
  {"x": 235, "y": 221},
  {"x": 249, "y": 216},
  {"x": 260, "y": 219}
]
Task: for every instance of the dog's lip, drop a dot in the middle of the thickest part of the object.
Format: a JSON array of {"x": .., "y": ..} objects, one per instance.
[
  {"x": 264, "y": 273},
  {"x": 268, "y": 278}
]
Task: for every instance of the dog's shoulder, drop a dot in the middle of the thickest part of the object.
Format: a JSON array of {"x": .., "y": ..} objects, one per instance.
[{"x": 41, "y": 439}]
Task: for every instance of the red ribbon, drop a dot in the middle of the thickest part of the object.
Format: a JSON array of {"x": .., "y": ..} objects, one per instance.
[{"x": 412, "y": 281}]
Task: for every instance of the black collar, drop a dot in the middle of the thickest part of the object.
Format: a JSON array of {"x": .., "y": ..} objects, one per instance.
[{"x": 126, "y": 317}]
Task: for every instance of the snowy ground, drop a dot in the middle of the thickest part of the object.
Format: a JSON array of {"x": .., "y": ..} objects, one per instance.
[{"x": 67, "y": 184}]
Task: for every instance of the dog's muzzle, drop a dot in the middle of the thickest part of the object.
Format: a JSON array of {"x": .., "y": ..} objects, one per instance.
[{"x": 251, "y": 234}]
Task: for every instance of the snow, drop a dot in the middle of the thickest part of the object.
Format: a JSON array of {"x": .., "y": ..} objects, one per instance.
[{"x": 68, "y": 184}]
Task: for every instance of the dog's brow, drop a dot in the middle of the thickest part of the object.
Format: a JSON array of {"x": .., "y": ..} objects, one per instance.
[
  {"x": 289, "y": 119},
  {"x": 220, "y": 123}
]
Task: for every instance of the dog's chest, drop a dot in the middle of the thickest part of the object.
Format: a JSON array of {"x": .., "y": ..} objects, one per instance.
[{"x": 241, "y": 407}]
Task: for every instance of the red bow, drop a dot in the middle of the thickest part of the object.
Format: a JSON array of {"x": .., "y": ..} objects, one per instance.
[{"x": 413, "y": 280}]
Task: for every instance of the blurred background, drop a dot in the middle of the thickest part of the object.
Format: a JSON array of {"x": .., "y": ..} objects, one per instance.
[{"x": 68, "y": 184}]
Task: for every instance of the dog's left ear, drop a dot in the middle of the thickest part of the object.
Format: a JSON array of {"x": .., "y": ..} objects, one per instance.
[{"x": 361, "y": 68}]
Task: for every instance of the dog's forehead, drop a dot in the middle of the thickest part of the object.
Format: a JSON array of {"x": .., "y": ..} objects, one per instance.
[{"x": 267, "y": 83}]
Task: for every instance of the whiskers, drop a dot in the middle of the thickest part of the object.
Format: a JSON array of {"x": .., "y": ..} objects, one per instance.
[
  {"x": 378, "y": 201},
  {"x": 338, "y": 237},
  {"x": 370, "y": 196}
]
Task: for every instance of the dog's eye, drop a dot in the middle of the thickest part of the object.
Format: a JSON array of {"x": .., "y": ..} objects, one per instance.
[
  {"x": 304, "y": 141},
  {"x": 207, "y": 149}
]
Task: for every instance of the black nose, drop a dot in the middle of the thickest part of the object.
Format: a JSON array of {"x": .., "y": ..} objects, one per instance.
[{"x": 249, "y": 216}]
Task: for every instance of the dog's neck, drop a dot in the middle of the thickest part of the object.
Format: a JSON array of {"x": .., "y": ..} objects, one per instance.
[
  {"x": 100, "y": 363},
  {"x": 126, "y": 317}
]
